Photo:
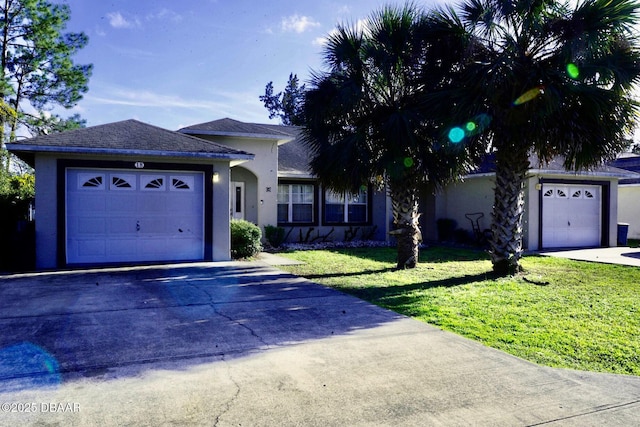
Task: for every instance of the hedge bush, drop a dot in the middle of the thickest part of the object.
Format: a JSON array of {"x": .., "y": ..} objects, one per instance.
[
  {"x": 274, "y": 235},
  {"x": 245, "y": 239}
]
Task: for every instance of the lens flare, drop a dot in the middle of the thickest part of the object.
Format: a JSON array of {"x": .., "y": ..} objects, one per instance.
[
  {"x": 478, "y": 124},
  {"x": 456, "y": 135},
  {"x": 573, "y": 71},
  {"x": 529, "y": 95},
  {"x": 408, "y": 162}
]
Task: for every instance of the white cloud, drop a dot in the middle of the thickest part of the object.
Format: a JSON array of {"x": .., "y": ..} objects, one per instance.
[
  {"x": 361, "y": 25},
  {"x": 319, "y": 41},
  {"x": 117, "y": 20},
  {"x": 234, "y": 102},
  {"x": 298, "y": 24},
  {"x": 344, "y": 10},
  {"x": 165, "y": 14}
]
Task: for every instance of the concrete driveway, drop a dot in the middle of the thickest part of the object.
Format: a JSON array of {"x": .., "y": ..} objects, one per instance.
[
  {"x": 246, "y": 344},
  {"x": 621, "y": 255}
]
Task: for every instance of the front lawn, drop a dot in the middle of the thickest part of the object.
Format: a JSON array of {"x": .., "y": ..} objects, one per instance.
[{"x": 559, "y": 312}]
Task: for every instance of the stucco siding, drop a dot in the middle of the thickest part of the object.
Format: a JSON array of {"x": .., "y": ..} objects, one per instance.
[
  {"x": 221, "y": 248},
  {"x": 264, "y": 167},
  {"x": 471, "y": 196},
  {"x": 46, "y": 212},
  {"x": 629, "y": 208}
]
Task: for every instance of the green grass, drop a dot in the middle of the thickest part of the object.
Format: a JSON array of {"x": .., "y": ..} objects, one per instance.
[{"x": 558, "y": 313}]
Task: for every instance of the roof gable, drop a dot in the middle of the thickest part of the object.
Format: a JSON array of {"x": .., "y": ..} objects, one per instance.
[{"x": 230, "y": 127}]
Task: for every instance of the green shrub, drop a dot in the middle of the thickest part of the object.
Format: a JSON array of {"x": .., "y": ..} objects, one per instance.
[
  {"x": 17, "y": 235},
  {"x": 245, "y": 239},
  {"x": 274, "y": 235}
]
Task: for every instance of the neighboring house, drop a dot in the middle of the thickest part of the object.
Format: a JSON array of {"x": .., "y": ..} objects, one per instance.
[
  {"x": 129, "y": 192},
  {"x": 629, "y": 194},
  {"x": 563, "y": 209}
]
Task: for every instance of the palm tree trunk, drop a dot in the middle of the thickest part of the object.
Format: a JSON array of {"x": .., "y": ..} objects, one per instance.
[
  {"x": 512, "y": 165},
  {"x": 404, "y": 203}
]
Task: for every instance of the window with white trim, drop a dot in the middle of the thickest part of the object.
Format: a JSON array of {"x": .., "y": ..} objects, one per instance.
[
  {"x": 346, "y": 207},
  {"x": 296, "y": 203}
]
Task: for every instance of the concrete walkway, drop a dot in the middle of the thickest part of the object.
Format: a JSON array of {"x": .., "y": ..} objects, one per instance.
[
  {"x": 618, "y": 255},
  {"x": 245, "y": 344}
]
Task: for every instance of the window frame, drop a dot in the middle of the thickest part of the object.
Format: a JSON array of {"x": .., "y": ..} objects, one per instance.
[
  {"x": 314, "y": 206},
  {"x": 368, "y": 209}
]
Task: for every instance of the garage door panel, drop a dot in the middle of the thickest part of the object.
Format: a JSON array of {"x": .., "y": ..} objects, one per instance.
[
  {"x": 86, "y": 203},
  {"x": 122, "y": 226},
  {"x": 184, "y": 247},
  {"x": 121, "y": 203},
  {"x": 191, "y": 222},
  {"x": 152, "y": 203},
  {"x": 133, "y": 216},
  {"x": 89, "y": 226},
  {"x": 91, "y": 247},
  {"x": 118, "y": 247},
  {"x": 150, "y": 226}
]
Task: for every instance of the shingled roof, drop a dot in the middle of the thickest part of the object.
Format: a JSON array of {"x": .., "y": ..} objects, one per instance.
[
  {"x": 293, "y": 157},
  {"x": 555, "y": 166},
  {"x": 230, "y": 127},
  {"x": 129, "y": 137},
  {"x": 630, "y": 162}
]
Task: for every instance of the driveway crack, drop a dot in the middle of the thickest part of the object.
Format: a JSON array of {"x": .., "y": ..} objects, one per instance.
[
  {"x": 213, "y": 305},
  {"x": 587, "y": 413},
  {"x": 229, "y": 404}
]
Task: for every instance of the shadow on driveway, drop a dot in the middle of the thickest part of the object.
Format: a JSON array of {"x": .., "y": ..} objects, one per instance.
[{"x": 116, "y": 323}]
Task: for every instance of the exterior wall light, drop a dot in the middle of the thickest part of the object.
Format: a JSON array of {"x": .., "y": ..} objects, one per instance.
[{"x": 215, "y": 177}]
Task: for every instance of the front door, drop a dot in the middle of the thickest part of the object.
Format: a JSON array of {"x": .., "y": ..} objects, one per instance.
[{"x": 237, "y": 200}]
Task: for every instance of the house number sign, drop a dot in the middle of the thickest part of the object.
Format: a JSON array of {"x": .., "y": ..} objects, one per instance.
[{"x": 139, "y": 165}]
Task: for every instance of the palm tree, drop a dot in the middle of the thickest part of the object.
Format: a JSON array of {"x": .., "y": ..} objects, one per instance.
[
  {"x": 363, "y": 122},
  {"x": 551, "y": 80}
]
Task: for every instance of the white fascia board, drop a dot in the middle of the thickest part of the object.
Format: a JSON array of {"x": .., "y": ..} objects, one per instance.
[
  {"x": 295, "y": 174},
  {"x": 178, "y": 154},
  {"x": 590, "y": 174}
]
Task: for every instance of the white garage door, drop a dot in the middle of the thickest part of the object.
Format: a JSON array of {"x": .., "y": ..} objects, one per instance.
[
  {"x": 571, "y": 215},
  {"x": 132, "y": 216}
]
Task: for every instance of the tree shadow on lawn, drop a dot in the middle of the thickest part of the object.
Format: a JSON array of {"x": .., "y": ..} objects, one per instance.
[
  {"x": 431, "y": 254},
  {"x": 379, "y": 293},
  {"x": 354, "y": 273}
]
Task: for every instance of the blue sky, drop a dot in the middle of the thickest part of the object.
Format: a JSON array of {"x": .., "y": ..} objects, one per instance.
[{"x": 173, "y": 64}]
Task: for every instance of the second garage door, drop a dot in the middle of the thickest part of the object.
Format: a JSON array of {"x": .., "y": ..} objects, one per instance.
[
  {"x": 571, "y": 215},
  {"x": 134, "y": 216}
]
